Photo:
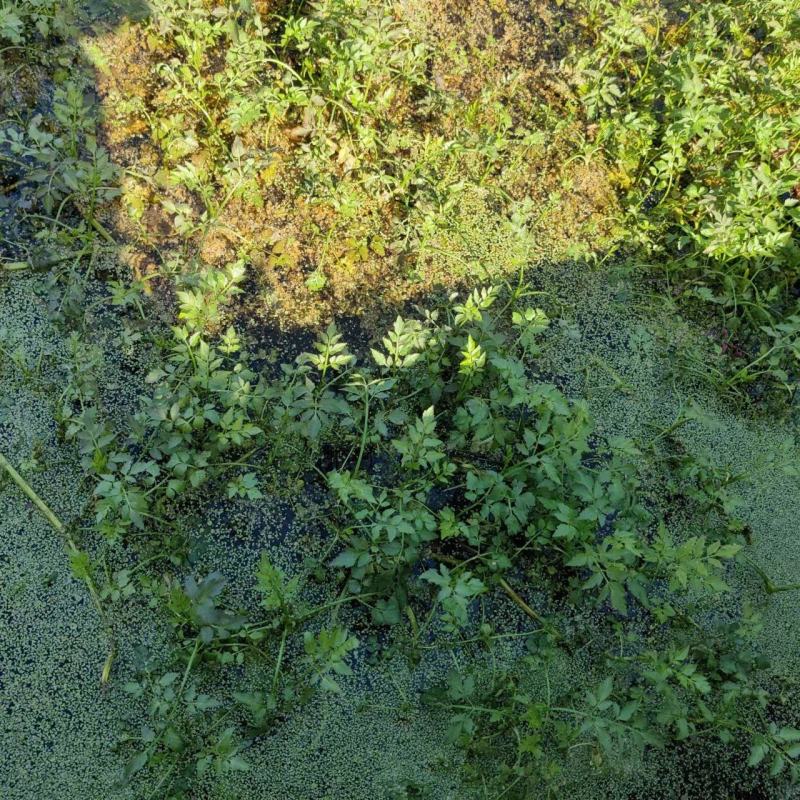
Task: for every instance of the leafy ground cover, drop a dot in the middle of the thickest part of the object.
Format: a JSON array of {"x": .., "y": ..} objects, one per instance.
[{"x": 399, "y": 399}]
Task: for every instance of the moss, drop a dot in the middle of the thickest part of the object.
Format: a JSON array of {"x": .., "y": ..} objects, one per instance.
[{"x": 326, "y": 203}]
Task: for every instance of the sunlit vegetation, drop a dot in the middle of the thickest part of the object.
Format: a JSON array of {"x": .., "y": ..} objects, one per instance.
[{"x": 400, "y": 399}]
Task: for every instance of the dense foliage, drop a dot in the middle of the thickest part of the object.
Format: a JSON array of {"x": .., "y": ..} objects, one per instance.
[
  {"x": 464, "y": 513},
  {"x": 447, "y": 455},
  {"x": 696, "y": 110}
]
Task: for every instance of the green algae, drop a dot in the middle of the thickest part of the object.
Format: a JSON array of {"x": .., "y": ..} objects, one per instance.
[
  {"x": 619, "y": 350},
  {"x": 57, "y": 737},
  {"x": 61, "y": 723},
  {"x": 608, "y": 350}
]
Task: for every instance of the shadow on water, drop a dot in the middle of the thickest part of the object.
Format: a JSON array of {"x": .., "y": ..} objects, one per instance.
[{"x": 27, "y": 93}]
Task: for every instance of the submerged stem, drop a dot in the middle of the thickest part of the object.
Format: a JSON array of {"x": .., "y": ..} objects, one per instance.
[
  {"x": 35, "y": 499},
  {"x": 73, "y": 548}
]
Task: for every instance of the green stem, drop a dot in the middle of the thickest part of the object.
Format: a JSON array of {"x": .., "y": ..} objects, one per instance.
[
  {"x": 769, "y": 586},
  {"x": 742, "y": 374},
  {"x": 36, "y": 500},
  {"x": 345, "y": 598},
  {"x": 161, "y": 782},
  {"x": 277, "y": 672},
  {"x": 679, "y": 423},
  {"x": 509, "y": 591},
  {"x": 515, "y": 598},
  {"x": 188, "y": 669},
  {"x": 364, "y": 432},
  {"x": 73, "y": 548}
]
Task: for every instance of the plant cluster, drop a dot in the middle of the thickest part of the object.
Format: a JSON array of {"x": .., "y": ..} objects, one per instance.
[
  {"x": 455, "y": 476},
  {"x": 694, "y": 109},
  {"x": 22, "y": 20},
  {"x": 327, "y": 119},
  {"x": 312, "y": 100}
]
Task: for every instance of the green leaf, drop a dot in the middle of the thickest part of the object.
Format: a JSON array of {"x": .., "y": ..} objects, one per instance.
[
  {"x": 237, "y": 764},
  {"x": 80, "y": 564},
  {"x": 448, "y": 525},
  {"x": 793, "y": 751},
  {"x": 604, "y": 689},
  {"x": 173, "y": 740},
  {"x": 441, "y": 578},
  {"x": 777, "y": 766},
  {"x": 564, "y": 531},
  {"x": 386, "y": 612},
  {"x": 378, "y": 357},
  {"x": 347, "y": 558},
  {"x": 578, "y": 560},
  {"x": 628, "y": 710},
  {"x": 757, "y": 753},
  {"x": 316, "y": 281},
  {"x": 617, "y": 592},
  {"x": 135, "y": 764},
  {"x": 789, "y": 735},
  {"x": 728, "y": 550},
  {"x": 168, "y": 678}
]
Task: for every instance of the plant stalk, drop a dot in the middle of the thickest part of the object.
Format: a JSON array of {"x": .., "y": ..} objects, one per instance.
[{"x": 73, "y": 548}]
